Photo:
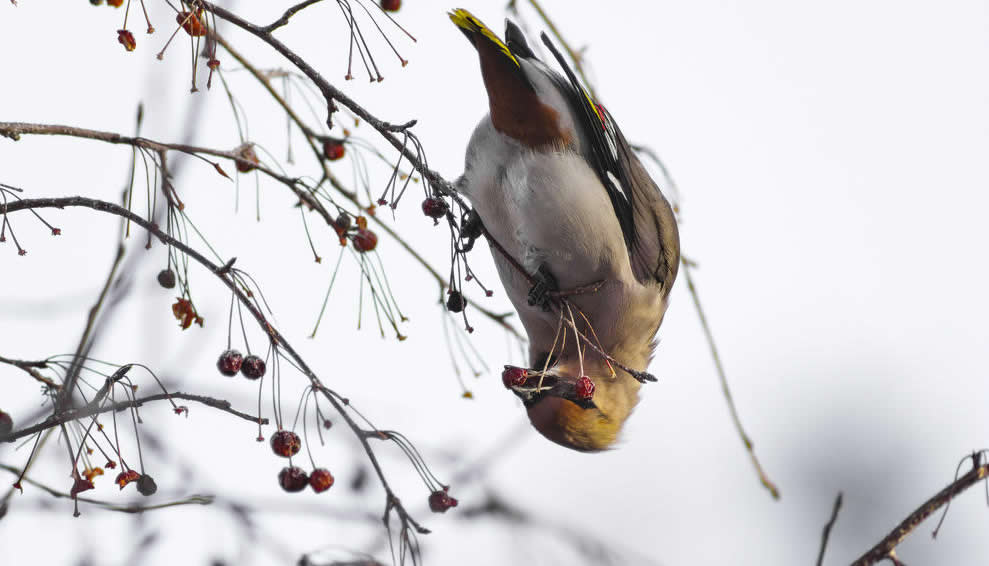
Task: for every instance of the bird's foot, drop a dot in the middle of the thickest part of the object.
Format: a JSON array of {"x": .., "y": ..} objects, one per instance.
[
  {"x": 471, "y": 229},
  {"x": 543, "y": 288}
]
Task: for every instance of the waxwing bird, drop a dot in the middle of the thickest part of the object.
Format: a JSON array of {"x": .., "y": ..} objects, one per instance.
[{"x": 584, "y": 242}]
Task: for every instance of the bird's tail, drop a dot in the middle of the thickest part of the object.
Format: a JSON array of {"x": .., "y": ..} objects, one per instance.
[{"x": 475, "y": 30}]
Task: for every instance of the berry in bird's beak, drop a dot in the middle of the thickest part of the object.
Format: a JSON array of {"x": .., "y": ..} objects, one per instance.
[
  {"x": 253, "y": 367},
  {"x": 514, "y": 377},
  {"x": 293, "y": 479},
  {"x": 230, "y": 363},
  {"x": 585, "y": 388},
  {"x": 285, "y": 443}
]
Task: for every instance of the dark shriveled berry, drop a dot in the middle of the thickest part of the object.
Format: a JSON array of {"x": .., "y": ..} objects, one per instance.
[
  {"x": 455, "y": 301},
  {"x": 293, "y": 479},
  {"x": 440, "y": 501},
  {"x": 434, "y": 207},
  {"x": 6, "y": 423},
  {"x": 585, "y": 388},
  {"x": 230, "y": 362},
  {"x": 166, "y": 278},
  {"x": 285, "y": 443},
  {"x": 391, "y": 5},
  {"x": 253, "y": 367},
  {"x": 365, "y": 240},
  {"x": 321, "y": 480},
  {"x": 146, "y": 485}
]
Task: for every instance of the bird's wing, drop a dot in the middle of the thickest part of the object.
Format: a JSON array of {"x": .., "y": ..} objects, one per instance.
[{"x": 645, "y": 216}]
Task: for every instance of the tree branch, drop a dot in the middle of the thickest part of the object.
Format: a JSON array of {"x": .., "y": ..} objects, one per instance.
[{"x": 884, "y": 549}]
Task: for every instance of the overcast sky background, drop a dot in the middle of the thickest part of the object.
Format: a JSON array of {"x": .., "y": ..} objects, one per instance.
[{"x": 831, "y": 161}]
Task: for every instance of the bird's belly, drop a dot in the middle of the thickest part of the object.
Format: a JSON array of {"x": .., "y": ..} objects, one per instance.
[{"x": 550, "y": 209}]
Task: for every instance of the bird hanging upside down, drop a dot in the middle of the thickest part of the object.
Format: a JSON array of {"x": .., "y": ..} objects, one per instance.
[{"x": 584, "y": 241}]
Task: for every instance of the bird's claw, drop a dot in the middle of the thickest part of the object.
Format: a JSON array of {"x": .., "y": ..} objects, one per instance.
[{"x": 543, "y": 287}]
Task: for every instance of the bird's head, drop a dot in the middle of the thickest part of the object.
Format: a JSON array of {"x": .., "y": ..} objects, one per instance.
[{"x": 562, "y": 409}]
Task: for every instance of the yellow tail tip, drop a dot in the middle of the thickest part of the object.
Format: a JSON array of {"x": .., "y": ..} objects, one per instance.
[{"x": 468, "y": 22}]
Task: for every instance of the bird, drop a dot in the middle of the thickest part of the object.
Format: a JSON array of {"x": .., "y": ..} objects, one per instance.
[{"x": 584, "y": 241}]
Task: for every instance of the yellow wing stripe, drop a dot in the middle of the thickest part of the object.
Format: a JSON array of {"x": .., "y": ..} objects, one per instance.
[{"x": 465, "y": 20}]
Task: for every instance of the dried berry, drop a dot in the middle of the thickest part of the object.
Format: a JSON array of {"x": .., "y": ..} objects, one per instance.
[
  {"x": 124, "y": 478},
  {"x": 115, "y": 3},
  {"x": 333, "y": 150},
  {"x": 293, "y": 479},
  {"x": 80, "y": 485},
  {"x": 146, "y": 485},
  {"x": 440, "y": 501},
  {"x": 514, "y": 377},
  {"x": 365, "y": 240},
  {"x": 342, "y": 222},
  {"x": 434, "y": 207},
  {"x": 585, "y": 387},
  {"x": 391, "y": 5},
  {"x": 253, "y": 367},
  {"x": 455, "y": 301},
  {"x": 285, "y": 443},
  {"x": 166, "y": 278},
  {"x": 230, "y": 362},
  {"x": 321, "y": 480},
  {"x": 246, "y": 152},
  {"x": 6, "y": 423},
  {"x": 192, "y": 23},
  {"x": 126, "y": 39}
]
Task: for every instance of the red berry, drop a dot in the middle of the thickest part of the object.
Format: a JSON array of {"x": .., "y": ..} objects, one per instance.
[
  {"x": 6, "y": 423},
  {"x": 293, "y": 479},
  {"x": 365, "y": 240},
  {"x": 434, "y": 207},
  {"x": 440, "y": 501},
  {"x": 391, "y": 5},
  {"x": 455, "y": 302},
  {"x": 585, "y": 387},
  {"x": 146, "y": 485},
  {"x": 166, "y": 278},
  {"x": 253, "y": 367},
  {"x": 514, "y": 377},
  {"x": 230, "y": 362},
  {"x": 80, "y": 485},
  {"x": 333, "y": 150},
  {"x": 124, "y": 478},
  {"x": 115, "y": 3},
  {"x": 285, "y": 443},
  {"x": 321, "y": 480}
]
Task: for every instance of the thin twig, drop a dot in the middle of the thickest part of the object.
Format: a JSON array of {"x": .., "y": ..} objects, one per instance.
[
  {"x": 827, "y": 529},
  {"x": 287, "y": 15},
  {"x": 96, "y": 408},
  {"x": 763, "y": 478}
]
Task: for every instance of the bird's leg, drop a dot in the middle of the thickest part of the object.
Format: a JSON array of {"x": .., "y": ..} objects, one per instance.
[{"x": 543, "y": 286}]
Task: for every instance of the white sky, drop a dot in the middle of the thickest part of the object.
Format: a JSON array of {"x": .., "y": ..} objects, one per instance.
[{"x": 831, "y": 159}]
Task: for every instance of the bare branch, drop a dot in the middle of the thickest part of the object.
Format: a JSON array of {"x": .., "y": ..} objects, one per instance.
[{"x": 884, "y": 549}]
